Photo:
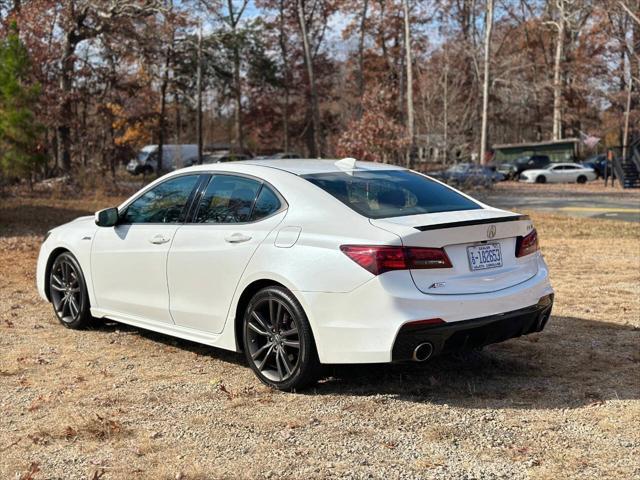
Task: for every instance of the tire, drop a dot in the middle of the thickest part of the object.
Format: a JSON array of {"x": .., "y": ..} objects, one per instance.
[
  {"x": 582, "y": 179},
  {"x": 147, "y": 170},
  {"x": 541, "y": 179},
  {"x": 68, "y": 292},
  {"x": 278, "y": 342}
]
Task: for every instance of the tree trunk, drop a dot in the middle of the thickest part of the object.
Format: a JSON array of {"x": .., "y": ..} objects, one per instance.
[
  {"x": 66, "y": 112},
  {"x": 445, "y": 112},
  {"x": 237, "y": 115},
  {"x": 486, "y": 81},
  {"x": 409, "y": 80},
  {"x": 363, "y": 22},
  {"x": 199, "y": 97},
  {"x": 285, "y": 78},
  {"x": 237, "y": 80},
  {"x": 316, "y": 144},
  {"x": 557, "y": 74},
  {"x": 163, "y": 113}
]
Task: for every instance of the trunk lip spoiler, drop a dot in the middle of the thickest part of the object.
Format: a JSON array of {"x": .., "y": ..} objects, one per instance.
[{"x": 466, "y": 223}]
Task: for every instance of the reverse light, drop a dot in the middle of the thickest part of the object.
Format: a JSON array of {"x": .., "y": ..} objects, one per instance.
[
  {"x": 528, "y": 244},
  {"x": 379, "y": 259}
]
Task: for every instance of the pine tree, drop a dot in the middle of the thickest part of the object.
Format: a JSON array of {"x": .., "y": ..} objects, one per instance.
[{"x": 19, "y": 131}]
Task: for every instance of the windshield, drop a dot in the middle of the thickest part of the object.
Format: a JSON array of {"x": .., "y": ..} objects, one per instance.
[
  {"x": 390, "y": 193},
  {"x": 142, "y": 157}
]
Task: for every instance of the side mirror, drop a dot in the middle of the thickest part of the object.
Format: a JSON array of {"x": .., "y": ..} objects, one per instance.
[{"x": 107, "y": 217}]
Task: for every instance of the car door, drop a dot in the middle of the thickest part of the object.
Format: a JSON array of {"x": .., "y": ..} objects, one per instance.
[
  {"x": 556, "y": 174},
  {"x": 209, "y": 254},
  {"x": 129, "y": 261},
  {"x": 570, "y": 173}
]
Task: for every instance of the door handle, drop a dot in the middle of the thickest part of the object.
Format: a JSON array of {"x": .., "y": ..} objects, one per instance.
[
  {"x": 159, "y": 239},
  {"x": 237, "y": 238}
]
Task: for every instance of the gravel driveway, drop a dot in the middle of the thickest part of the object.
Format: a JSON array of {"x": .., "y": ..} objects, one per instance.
[{"x": 117, "y": 402}]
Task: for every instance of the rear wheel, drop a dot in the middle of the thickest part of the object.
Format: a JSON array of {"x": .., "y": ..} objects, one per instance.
[
  {"x": 582, "y": 179},
  {"x": 278, "y": 341},
  {"x": 68, "y": 292},
  {"x": 541, "y": 179}
]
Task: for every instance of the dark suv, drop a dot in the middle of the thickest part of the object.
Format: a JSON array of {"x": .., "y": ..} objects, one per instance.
[{"x": 530, "y": 162}]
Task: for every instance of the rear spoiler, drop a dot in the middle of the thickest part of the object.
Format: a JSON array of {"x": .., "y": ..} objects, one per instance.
[{"x": 466, "y": 223}]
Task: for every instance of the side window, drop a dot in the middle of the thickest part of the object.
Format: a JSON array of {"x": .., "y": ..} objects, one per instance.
[
  {"x": 266, "y": 204},
  {"x": 163, "y": 203},
  {"x": 227, "y": 199}
]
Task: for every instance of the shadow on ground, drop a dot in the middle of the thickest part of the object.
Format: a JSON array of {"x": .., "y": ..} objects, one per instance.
[{"x": 575, "y": 362}]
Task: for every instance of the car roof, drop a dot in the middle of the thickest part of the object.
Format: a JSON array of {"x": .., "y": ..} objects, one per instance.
[{"x": 308, "y": 166}]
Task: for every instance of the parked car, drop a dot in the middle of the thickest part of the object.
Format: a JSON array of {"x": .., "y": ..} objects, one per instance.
[
  {"x": 559, "y": 173},
  {"x": 469, "y": 174},
  {"x": 279, "y": 156},
  {"x": 598, "y": 163},
  {"x": 173, "y": 157},
  {"x": 284, "y": 155},
  {"x": 508, "y": 170},
  {"x": 299, "y": 265},
  {"x": 530, "y": 162},
  {"x": 224, "y": 157}
]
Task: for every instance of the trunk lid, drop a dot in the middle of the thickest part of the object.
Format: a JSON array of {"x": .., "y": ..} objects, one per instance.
[{"x": 460, "y": 234}]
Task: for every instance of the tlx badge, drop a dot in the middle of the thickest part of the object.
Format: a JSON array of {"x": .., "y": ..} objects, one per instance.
[{"x": 491, "y": 231}]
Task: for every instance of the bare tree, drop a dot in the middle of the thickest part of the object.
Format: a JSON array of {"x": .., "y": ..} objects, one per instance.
[
  {"x": 83, "y": 20},
  {"x": 363, "y": 25},
  {"x": 231, "y": 16},
  {"x": 409, "y": 66},
  {"x": 631, "y": 54},
  {"x": 199, "y": 95},
  {"x": 560, "y": 24},
  {"x": 286, "y": 74},
  {"x": 316, "y": 151}
]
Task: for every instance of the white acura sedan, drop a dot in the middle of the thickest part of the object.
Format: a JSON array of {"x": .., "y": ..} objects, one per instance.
[
  {"x": 559, "y": 173},
  {"x": 299, "y": 263}
]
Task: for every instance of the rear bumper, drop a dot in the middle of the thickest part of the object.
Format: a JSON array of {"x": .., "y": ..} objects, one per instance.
[
  {"x": 474, "y": 333},
  {"x": 361, "y": 326}
]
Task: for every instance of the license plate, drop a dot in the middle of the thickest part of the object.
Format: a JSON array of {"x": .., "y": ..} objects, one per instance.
[{"x": 483, "y": 257}]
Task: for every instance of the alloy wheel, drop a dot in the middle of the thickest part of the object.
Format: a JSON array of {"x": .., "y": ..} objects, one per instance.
[
  {"x": 66, "y": 290},
  {"x": 273, "y": 339}
]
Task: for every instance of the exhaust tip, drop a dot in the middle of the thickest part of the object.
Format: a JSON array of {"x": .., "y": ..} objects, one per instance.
[
  {"x": 423, "y": 352},
  {"x": 542, "y": 322}
]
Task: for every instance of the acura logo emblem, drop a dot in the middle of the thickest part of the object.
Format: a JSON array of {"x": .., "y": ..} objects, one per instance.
[{"x": 491, "y": 231}]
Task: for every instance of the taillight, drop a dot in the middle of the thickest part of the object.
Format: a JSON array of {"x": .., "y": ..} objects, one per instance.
[
  {"x": 528, "y": 244},
  {"x": 381, "y": 258}
]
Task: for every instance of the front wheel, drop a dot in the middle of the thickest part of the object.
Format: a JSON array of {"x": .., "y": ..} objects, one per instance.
[
  {"x": 541, "y": 179},
  {"x": 582, "y": 179},
  {"x": 68, "y": 292},
  {"x": 278, "y": 342}
]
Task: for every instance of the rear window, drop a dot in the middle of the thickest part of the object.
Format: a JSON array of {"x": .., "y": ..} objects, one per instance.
[{"x": 390, "y": 193}]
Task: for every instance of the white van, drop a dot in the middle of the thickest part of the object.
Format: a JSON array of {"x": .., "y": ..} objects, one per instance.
[{"x": 173, "y": 157}]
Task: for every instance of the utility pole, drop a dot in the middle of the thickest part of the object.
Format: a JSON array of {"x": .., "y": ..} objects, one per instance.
[{"x": 485, "y": 87}]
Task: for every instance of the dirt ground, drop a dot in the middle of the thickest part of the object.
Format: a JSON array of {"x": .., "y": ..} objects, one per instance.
[{"x": 117, "y": 402}]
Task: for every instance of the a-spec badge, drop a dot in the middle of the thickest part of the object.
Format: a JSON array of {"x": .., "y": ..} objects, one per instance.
[
  {"x": 437, "y": 285},
  {"x": 491, "y": 231}
]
